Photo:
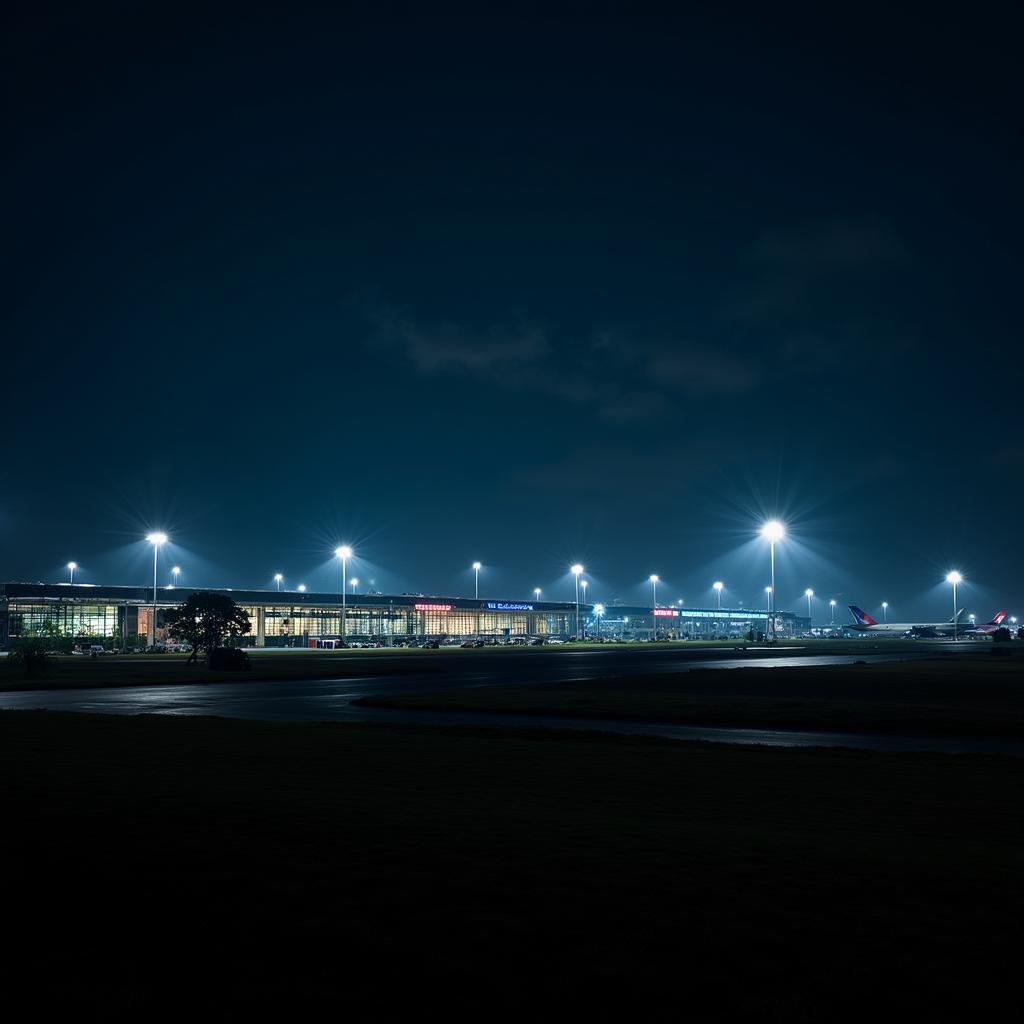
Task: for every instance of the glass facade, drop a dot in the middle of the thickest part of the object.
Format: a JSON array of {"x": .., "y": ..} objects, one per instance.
[
  {"x": 54, "y": 619},
  {"x": 276, "y": 622}
]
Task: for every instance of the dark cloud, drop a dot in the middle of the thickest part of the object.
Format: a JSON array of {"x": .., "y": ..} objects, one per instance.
[{"x": 494, "y": 350}]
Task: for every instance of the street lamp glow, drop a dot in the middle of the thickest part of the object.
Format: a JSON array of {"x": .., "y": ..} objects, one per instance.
[
  {"x": 302, "y": 588},
  {"x": 832, "y": 608},
  {"x": 355, "y": 583},
  {"x": 773, "y": 531},
  {"x": 808, "y": 593},
  {"x": 885, "y": 611},
  {"x": 156, "y": 539},
  {"x": 718, "y": 586},
  {"x": 176, "y": 572},
  {"x": 344, "y": 552},
  {"x": 954, "y": 577},
  {"x": 576, "y": 570},
  {"x": 477, "y": 567},
  {"x": 72, "y": 566},
  {"x": 536, "y": 593},
  {"x": 277, "y": 579}
]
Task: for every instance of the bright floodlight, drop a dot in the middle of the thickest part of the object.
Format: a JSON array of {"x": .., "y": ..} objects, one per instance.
[
  {"x": 576, "y": 569},
  {"x": 767, "y": 590},
  {"x": 954, "y": 577},
  {"x": 833, "y": 601},
  {"x": 72, "y": 566},
  {"x": 773, "y": 530},
  {"x": 344, "y": 551},
  {"x": 653, "y": 579},
  {"x": 718, "y": 585},
  {"x": 808, "y": 592},
  {"x": 477, "y": 566},
  {"x": 278, "y": 577},
  {"x": 302, "y": 588},
  {"x": 354, "y": 582},
  {"x": 176, "y": 570},
  {"x": 157, "y": 538},
  {"x": 885, "y": 604},
  {"x": 599, "y": 609}
]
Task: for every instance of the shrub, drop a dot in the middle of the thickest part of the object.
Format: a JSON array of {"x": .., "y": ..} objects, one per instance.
[{"x": 29, "y": 656}]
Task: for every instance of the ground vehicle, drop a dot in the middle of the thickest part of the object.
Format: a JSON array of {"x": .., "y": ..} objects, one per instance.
[
  {"x": 555, "y": 640},
  {"x": 431, "y": 644}
]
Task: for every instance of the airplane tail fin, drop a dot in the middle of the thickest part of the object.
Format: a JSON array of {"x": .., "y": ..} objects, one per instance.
[
  {"x": 997, "y": 619},
  {"x": 862, "y": 617}
]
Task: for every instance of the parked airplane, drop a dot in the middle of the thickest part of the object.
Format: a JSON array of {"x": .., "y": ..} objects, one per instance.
[
  {"x": 988, "y": 627},
  {"x": 866, "y": 624}
]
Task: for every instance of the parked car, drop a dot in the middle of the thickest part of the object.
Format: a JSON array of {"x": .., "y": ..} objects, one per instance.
[
  {"x": 430, "y": 644},
  {"x": 227, "y": 659}
]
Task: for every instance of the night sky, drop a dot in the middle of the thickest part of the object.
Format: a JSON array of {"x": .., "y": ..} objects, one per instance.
[{"x": 524, "y": 289}]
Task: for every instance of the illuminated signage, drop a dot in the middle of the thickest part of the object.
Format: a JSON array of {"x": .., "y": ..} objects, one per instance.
[
  {"x": 508, "y": 606},
  {"x": 433, "y": 607},
  {"x": 664, "y": 612}
]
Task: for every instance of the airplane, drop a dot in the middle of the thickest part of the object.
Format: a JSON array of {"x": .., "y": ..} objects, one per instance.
[
  {"x": 866, "y": 624},
  {"x": 988, "y": 627}
]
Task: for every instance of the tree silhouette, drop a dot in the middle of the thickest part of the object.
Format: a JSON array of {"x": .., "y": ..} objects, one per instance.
[{"x": 205, "y": 621}]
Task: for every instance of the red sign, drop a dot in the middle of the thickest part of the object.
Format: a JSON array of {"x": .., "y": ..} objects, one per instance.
[
  {"x": 664, "y": 612},
  {"x": 433, "y": 607}
]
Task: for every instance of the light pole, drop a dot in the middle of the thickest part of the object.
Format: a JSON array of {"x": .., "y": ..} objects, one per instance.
[
  {"x": 344, "y": 553},
  {"x": 808, "y": 593},
  {"x": 355, "y": 583},
  {"x": 598, "y": 612},
  {"x": 536, "y": 593},
  {"x": 768, "y": 611},
  {"x": 954, "y": 577},
  {"x": 576, "y": 570},
  {"x": 719, "y": 586},
  {"x": 72, "y": 566},
  {"x": 175, "y": 573},
  {"x": 476, "y": 580},
  {"x": 654, "y": 618},
  {"x": 156, "y": 539},
  {"x": 832, "y": 609},
  {"x": 583, "y": 584},
  {"x": 885, "y": 611},
  {"x": 772, "y": 531},
  {"x": 277, "y": 579}
]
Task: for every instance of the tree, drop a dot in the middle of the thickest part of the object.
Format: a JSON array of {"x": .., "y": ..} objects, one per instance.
[{"x": 205, "y": 621}]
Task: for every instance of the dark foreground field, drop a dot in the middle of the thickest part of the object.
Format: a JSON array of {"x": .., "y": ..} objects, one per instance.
[
  {"x": 161, "y": 867},
  {"x": 963, "y": 696}
]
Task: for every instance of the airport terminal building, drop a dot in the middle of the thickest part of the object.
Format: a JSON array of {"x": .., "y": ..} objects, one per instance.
[
  {"x": 679, "y": 623},
  {"x": 279, "y": 619},
  {"x": 122, "y": 616}
]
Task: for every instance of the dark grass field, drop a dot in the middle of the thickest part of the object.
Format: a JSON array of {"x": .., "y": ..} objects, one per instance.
[
  {"x": 71, "y": 671},
  {"x": 161, "y": 867},
  {"x": 963, "y": 696}
]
